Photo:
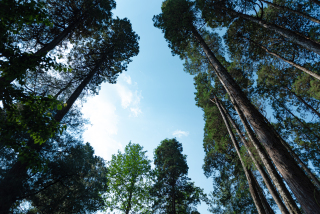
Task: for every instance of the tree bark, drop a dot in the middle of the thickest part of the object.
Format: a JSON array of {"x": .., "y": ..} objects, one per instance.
[
  {"x": 253, "y": 191},
  {"x": 264, "y": 175},
  {"x": 296, "y": 38},
  {"x": 296, "y": 157},
  {"x": 263, "y": 199},
  {"x": 283, "y": 191},
  {"x": 173, "y": 200},
  {"x": 311, "y": 73},
  {"x": 300, "y": 184},
  {"x": 292, "y": 11}
]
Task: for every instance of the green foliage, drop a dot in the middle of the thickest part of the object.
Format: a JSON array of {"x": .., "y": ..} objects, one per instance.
[
  {"x": 69, "y": 179},
  {"x": 230, "y": 194},
  {"x": 173, "y": 192},
  {"x": 129, "y": 181},
  {"x": 74, "y": 182},
  {"x": 176, "y": 22},
  {"x": 34, "y": 89}
]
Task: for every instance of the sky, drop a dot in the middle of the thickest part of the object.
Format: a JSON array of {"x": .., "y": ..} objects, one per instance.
[{"x": 151, "y": 101}]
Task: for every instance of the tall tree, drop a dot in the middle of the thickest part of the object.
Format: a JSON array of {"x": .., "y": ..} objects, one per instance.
[
  {"x": 103, "y": 58},
  {"x": 226, "y": 7},
  {"x": 129, "y": 181},
  {"x": 173, "y": 191},
  {"x": 259, "y": 199},
  {"x": 177, "y": 21},
  {"x": 67, "y": 19},
  {"x": 206, "y": 92}
]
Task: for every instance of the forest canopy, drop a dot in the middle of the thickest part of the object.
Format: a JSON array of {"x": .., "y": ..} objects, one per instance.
[{"x": 255, "y": 68}]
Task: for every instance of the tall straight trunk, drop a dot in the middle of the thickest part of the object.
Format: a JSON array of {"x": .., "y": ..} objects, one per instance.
[
  {"x": 283, "y": 191},
  {"x": 292, "y": 11},
  {"x": 303, "y": 101},
  {"x": 304, "y": 167},
  {"x": 128, "y": 208},
  {"x": 173, "y": 200},
  {"x": 295, "y": 156},
  {"x": 63, "y": 89},
  {"x": 294, "y": 37},
  {"x": 311, "y": 73},
  {"x": 253, "y": 191},
  {"x": 43, "y": 51},
  {"x": 306, "y": 194},
  {"x": 61, "y": 113},
  {"x": 13, "y": 178},
  {"x": 264, "y": 175},
  {"x": 57, "y": 40},
  {"x": 262, "y": 197},
  {"x": 17, "y": 175}
]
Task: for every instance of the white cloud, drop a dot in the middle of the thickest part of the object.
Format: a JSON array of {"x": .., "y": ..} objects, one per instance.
[
  {"x": 103, "y": 110},
  {"x": 136, "y": 111},
  {"x": 127, "y": 78},
  {"x": 104, "y": 126},
  {"x": 180, "y": 133},
  {"x": 137, "y": 97},
  {"x": 125, "y": 94},
  {"x": 129, "y": 99}
]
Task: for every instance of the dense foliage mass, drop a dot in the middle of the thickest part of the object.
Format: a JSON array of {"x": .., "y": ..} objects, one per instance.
[
  {"x": 173, "y": 191},
  {"x": 268, "y": 63},
  {"x": 129, "y": 180},
  {"x": 257, "y": 84},
  {"x": 54, "y": 53}
]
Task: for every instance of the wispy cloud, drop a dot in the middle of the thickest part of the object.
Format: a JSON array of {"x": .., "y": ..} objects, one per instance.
[
  {"x": 136, "y": 111},
  {"x": 127, "y": 79},
  {"x": 130, "y": 98},
  {"x": 103, "y": 113},
  {"x": 125, "y": 95},
  {"x": 180, "y": 133}
]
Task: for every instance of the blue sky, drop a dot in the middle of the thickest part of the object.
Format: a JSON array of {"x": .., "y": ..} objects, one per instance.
[{"x": 152, "y": 100}]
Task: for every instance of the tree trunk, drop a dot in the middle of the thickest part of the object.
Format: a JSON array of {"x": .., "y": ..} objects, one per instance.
[
  {"x": 293, "y": 11},
  {"x": 43, "y": 51},
  {"x": 11, "y": 186},
  {"x": 264, "y": 175},
  {"x": 173, "y": 200},
  {"x": 18, "y": 173},
  {"x": 300, "y": 184},
  {"x": 63, "y": 89},
  {"x": 263, "y": 199},
  {"x": 64, "y": 34},
  {"x": 252, "y": 189},
  {"x": 304, "y": 102},
  {"x": 304, "y": 167},
  {"x": 283, "y": 191},
  {"x": 129, "y": 200},
  {"x": 311, "y": 73},
  {"x": 61, "y": 113},
  {"x": 296, "y": 38}
]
